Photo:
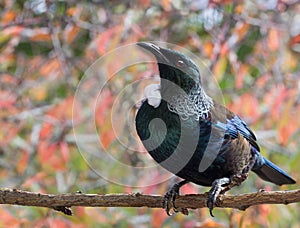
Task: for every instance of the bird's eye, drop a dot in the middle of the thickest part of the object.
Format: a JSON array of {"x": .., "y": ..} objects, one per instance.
[{"x": 180, "y": 63}]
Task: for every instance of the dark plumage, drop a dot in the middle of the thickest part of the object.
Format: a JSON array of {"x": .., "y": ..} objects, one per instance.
[{"x": 194, "y": 137}]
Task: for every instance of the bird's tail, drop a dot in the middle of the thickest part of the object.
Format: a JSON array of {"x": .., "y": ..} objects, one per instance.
[{"x": 272, "y": 173}]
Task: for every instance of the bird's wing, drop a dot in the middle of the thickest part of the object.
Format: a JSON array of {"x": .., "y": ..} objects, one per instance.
[{"x": 232, "y": 124}]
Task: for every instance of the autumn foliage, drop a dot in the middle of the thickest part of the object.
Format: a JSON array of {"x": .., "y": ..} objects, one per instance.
[{"x": 46, "y": 47}]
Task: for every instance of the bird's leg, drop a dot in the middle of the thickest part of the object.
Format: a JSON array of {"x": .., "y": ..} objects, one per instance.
[
  {"x": 216, "y": 189},
  {"x": 170, "y": 196},
  {"x": 237, "y": 179},
  {"x": 220, "y": 186}
]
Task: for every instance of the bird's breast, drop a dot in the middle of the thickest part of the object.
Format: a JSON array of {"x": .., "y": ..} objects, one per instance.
[{"x": 167, "y": 137}]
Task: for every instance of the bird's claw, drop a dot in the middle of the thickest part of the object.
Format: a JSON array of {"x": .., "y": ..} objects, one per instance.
[
  {"x": 220, "y": 186},
  {"x": 217, "y": 188},
  {"x": 169, "y": 201}
]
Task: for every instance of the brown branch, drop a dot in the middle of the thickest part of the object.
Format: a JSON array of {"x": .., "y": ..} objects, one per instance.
[{"x": 63, "y": 202}]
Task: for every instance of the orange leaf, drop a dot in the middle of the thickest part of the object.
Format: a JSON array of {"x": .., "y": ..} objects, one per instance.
[
  {"x": 103, "y": 106},
  {"x": 208, "y": 49},
  {"x": 8, "y": 17},
  {"x": 107, "y": 137},
  {"x": 70, "y": 33},
  {"x": 242, "y": 30},
  {"x": 23, "y": 162},
  {"x": 240, "y": 76},
  {"x": 167, "y": 5},
  {"x": 72, "y": 11},
  {"x": 273, "y": 40},
  {"x": 38, "y": 177},
  {"x": 224, "y": 49},
  {"x": 50, "y": 67},
  {"x": 210, "y": 224},
  {"x": 39, "y": 93},
  {"x": 158, "y": 217},
  {"x": 40, "y": 35},
  {"x": 239, "y": 9},
  {"x": 285, "y": 132}
]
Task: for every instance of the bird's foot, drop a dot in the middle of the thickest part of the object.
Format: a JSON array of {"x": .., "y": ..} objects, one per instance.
[
  {"x": 170, "y": 197},
  {"x": 216, "y": 189},
  {"x": 220, "y": 186}
]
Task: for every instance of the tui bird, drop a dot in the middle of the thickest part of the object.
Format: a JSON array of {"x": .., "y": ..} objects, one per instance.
[{"x": 191, "y": 135}]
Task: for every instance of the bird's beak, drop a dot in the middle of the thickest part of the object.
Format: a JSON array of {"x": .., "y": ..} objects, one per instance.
[{"x": 156, "y": 51}]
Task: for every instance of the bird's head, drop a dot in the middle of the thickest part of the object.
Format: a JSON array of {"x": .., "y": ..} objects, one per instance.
[{"x": 174, "y": 67}]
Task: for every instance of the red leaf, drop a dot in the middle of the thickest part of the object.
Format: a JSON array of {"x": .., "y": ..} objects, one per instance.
[
  {"x": 13, "y": 30},
  {"x": 46, "y": 151},
  {"x": 46, "y": 131},
  {"x": 145, "y": 3},
  {"x": 263, "y": 79},
  {"x": 9, "y": 79},
  {"x": 7, "y": 100},
  {"x": 10, "y": 133},
  {"x": 286, "y": 127},
  {"x": 55, "y": 223},
  {"x": 50, "y": 68},
  {"x": 62, "y": 111},
  {"x": 158, "y": 217},
  {"x": 188, "y": 189},
  {"x": 240, "y": 76},
  {"x": 7, "y": 220},
  {"x": 23, "y": 162},
  {"x": 279, "y": 97},
  {"x": 105, "y": 38},
  {"x": 247, "y": 106},
  {"x": 107, "y": 137},
  {"x": 64, "y": 151},
  {"x": 38, "y": 177},
  {"x": 103, "y": 106}
]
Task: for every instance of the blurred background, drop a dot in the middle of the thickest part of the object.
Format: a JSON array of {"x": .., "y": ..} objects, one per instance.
[{"x": 251, "y": 47}]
